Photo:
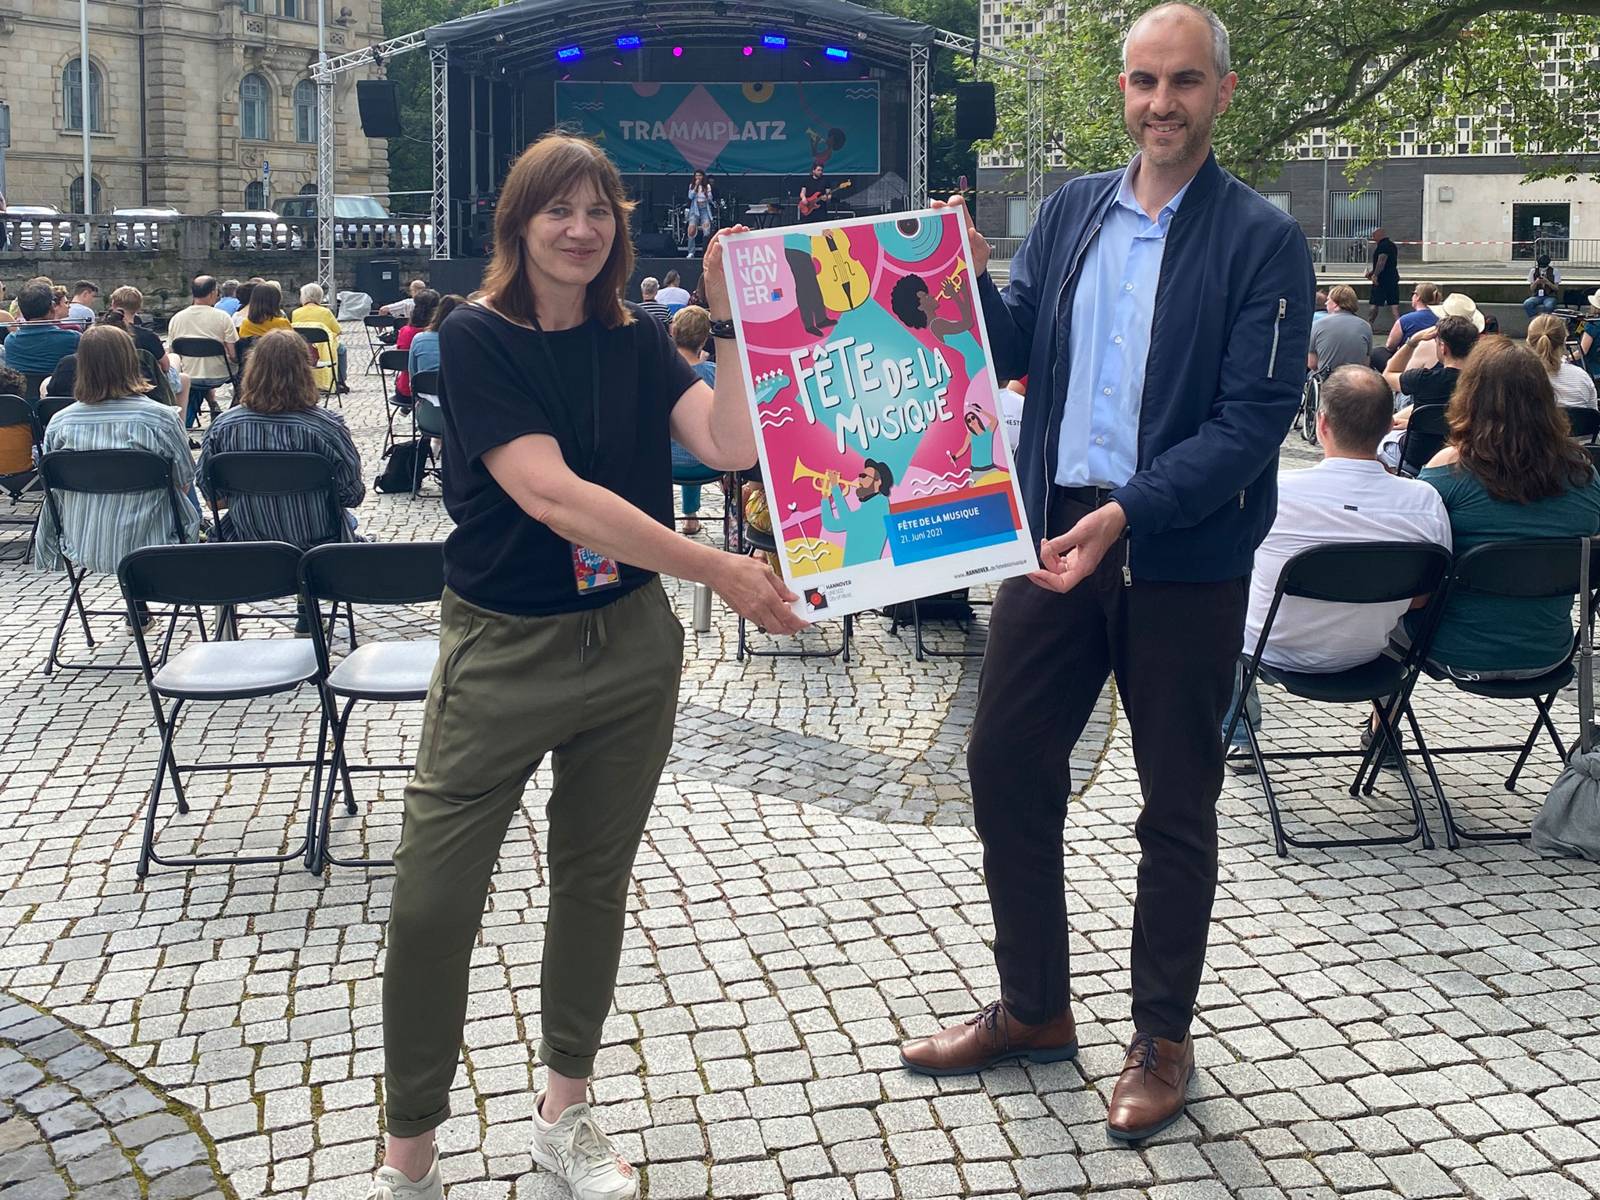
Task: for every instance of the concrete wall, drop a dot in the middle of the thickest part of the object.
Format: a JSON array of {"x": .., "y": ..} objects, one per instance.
[{"x": 1479, "y": 209}]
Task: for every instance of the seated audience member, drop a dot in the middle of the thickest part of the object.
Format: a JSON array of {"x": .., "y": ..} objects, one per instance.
[
  {"x": 278, "y": 411},
  {"x": 5, "y": 308},
  {"x": 422, "y": 306},
  {"x": 1343, "y": 338},
  {"x": 11, "y": 381},
  {"x": 242, "y": 294},
  {"x": 1509, "y": 471},
  {"x": 401, "y": 309},
  {"x": 1589, "y": 340},
  {"x": 1320, "y": 308},
  {"x": 113, "y": 412},
  {"x": 423, "y": 353},
  {"x": 228, "y": 302},
  {"x": 1347, "y": 497},
  {"x": 204, "y": 318},
  {"x": 1455, "y": 337},
  {"x": 1544, "y": 287},
  {"x": 672, "y": 293},
  {"x": 80, "y": 306},
  {"x": 690, "y": 329},
  {"x": 313, "y": 311},
  {"x": 1547, "y": 338},
  {"x": 265, "y": 312},
  {"x": 37, "y": 343},
  {"x": 1423, "y": 298},
  {"x": 128, "y": 302},
  {"x": 649, "y": 288}
]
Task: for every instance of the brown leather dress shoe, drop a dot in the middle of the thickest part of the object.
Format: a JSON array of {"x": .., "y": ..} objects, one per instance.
[
  {"x": 1152, "y": 1089},
  {"x": 993, "y": 1036}
]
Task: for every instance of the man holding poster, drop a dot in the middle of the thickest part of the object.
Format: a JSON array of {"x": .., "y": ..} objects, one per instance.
[{"x": 1160, "y": 314}]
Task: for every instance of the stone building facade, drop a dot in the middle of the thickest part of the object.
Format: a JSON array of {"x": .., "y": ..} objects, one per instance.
[{"x": 200, "y": 105}]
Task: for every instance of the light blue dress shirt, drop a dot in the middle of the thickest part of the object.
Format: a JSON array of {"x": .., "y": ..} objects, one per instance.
[{"x": 1112, "y": 312}]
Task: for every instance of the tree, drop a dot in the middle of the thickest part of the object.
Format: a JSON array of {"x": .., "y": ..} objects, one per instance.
[
  {"x": 948, "y": 159},
  {"x": 1368, "y": 71},
  {"x": 411, "y": 154}
]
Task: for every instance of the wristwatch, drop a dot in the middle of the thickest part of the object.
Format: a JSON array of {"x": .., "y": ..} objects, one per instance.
[{"x": 722, "y": 329}]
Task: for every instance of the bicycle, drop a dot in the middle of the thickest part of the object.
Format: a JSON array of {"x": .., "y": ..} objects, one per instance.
[{"x": 1305, "y": 418}]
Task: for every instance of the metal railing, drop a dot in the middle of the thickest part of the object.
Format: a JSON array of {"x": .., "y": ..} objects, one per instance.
[{"x": 32, "y": 235}]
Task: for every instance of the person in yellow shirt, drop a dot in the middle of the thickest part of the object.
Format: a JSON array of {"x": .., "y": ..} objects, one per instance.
[
  {"x": 265, "y": 313},
  {"x": 314, "y": 311}
]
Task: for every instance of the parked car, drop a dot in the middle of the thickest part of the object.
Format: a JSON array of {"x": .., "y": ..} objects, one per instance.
[
  {"x": 261, "y": 229},
  {"x": 39, "y": 236},
  {"x": 137, "y": 228},
  {"x": 361, "y": 221}
]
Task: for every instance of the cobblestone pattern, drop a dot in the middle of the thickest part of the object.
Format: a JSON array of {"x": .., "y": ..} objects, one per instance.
[
  {"x": 1371, "y": 1023},
  {"x": 73, "y": 1122}
]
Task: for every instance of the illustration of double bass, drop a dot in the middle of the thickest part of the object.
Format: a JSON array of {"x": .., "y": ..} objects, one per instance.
[{"x": 843, "y": 280}]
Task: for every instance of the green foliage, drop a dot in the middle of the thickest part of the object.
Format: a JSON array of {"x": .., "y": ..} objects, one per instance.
[
  {"x": 1366, "y": 71},
  {"x": 948, "y": 159},
  {"x": 411, "y": 154}
]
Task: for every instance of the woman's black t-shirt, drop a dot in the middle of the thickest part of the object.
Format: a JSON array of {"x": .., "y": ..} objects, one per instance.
[{"x": 495, "y": 387}]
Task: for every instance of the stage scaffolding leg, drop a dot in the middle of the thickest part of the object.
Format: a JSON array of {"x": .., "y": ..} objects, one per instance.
[
  {"x": 1033, "y": 152},
  {"x": 441, "y": 152},
  {"x": 325, "y": 149},
  {"x": 919, "y": 127}
]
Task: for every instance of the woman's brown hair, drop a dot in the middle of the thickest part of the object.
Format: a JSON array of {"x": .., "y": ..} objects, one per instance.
[
  {"x": 266, "y": 302},
  {"x": 277, "y": 375},
  {"x": 108, "y": 366},
  {"x": 555, "y": 166},
  {"x": 1506, "y": 427},
  {"x": 447, "y": 304},
  {"x": 1547, "y": 337}
]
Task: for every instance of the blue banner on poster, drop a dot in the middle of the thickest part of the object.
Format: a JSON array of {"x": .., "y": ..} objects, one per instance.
[
  {"x": 932, "y": 531},
  {"x": 727, "y": 128}
]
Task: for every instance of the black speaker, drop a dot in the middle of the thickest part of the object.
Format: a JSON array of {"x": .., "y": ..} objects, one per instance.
[
  {"x": 378, "y": 101},
  {"x": 974, "y": 111},
  {"x": 379, "y": 278},
  {"x": 650, "y": 244}
]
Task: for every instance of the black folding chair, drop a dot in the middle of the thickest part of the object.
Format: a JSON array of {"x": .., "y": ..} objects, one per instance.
[
  {"x": 224, "y": 574},
  {"x": 19, "y": 431},
  {"x": 104, "y": 473},
  {"x": 751, "y": 539},
  {"x": 384, "y": 573},
  {"x": 1594, "y": 455},
  {"x": 374, "y": 325},
  {"x": 390, "y": 364},
  {"x": 1357, "y": 573},
  {"x": 190, "y": 348},
  {"x": 1533, "y": 569},
  {"x": 33, "y": 383},
  {"x": 957, "y": 606},
  {"x": 427, "y": 423},
  {"x": 1584, "y": 423},
  {"x": 241, "y": 352},
  {"x": 1425, "y": 436},
  {"x": 260, "y": 477},
  {"x": 316, "y": 335}
]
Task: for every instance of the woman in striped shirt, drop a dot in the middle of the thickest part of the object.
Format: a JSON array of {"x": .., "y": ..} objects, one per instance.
[
  {"x": 113, "y": 413},
  {"x": 278, "y": 410}
]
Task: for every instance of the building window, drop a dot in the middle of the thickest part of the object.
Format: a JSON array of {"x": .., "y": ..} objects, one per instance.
[
  {"x": 72, "y": 89},
  {"x": 292, "y": 9},
  {"x": 253, "y": 108},
  {"x": 305, "y": 111},
  {"x": 1352, "y": 216},
  {"x": 255, "y": 197},
  {"x": 1016, "y": 216},
  {"x": 75, "y": 196},
  {"x": 1543, "y": 228},
  {"x": 1278, "y": 200}
]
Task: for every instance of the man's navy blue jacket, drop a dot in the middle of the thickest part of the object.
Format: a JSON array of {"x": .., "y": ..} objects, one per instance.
[{"x": 1227, "y": 364}]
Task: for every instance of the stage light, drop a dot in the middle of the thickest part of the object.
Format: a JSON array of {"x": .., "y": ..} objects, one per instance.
[
  {"x": 838, "y": 52},
  {"x": 774, "y": 41},
  {"x": 677, "y": 52},
  {"x": 749, "y": 50},
  {"x": 569, "y": 53},
  {"x": 629, "y": 41}
]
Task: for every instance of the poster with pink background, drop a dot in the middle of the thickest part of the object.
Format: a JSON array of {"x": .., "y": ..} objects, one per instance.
[{"x": 887, "y": 473}]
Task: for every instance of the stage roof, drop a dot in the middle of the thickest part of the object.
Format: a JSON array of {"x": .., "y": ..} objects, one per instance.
[{"x": 522, "y": 36}]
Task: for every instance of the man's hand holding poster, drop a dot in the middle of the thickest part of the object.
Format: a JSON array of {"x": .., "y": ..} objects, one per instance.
[{"x": 888, "y": 476}]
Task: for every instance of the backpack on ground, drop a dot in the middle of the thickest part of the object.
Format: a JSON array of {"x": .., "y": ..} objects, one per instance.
[{"x": 403, "y": 465}]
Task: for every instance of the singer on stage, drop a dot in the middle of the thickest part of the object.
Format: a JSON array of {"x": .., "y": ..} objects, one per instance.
[{"x": 557, "y": 639}]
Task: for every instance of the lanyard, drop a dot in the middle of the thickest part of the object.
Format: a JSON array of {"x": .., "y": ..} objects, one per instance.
[{"x": 594, "y": 393}]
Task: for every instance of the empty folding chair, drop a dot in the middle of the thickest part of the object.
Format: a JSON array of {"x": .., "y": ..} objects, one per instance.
[
  {"x": 375, "y": 325},
  {"x": 1357, "y": 573},
  {"x": 390, "y": 364},
  {"x": 1584, "y": 423},
  {"x": 220, "y": 574},
  {"x": 382, "y": 573},
  {"x": 427, "y": 423},
  {"x": 76, "y": 484},
  {"x": 1532, "y": 569}
]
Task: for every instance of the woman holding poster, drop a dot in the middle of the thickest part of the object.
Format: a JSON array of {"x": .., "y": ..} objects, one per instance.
[{"x": 560, "y": 404}]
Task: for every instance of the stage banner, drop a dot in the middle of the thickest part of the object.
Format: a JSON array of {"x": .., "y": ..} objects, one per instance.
[
  {"x": 727, "y": 128},
  {"x": 888, "y": 475}
]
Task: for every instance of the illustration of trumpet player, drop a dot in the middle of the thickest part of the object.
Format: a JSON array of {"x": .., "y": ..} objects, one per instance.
[
  {"x": 866, "y": 527},
  {"x": 918, "y": 308}
]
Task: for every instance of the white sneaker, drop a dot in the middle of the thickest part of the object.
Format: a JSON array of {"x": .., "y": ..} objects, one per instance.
[
  {"x": 390, "y": 1184},
  {"x": 576, "y": 1149}
]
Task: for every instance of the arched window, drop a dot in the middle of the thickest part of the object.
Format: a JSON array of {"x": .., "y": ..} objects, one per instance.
[
  {"x": 255, "y": 197},
  {"x": 72, "y": 90},
  {"x": 308, "y": 189},
  {"x": 305, "y": 111},
  {"x": 253, "y": 108},
  {"x": 75, "y": 196}
]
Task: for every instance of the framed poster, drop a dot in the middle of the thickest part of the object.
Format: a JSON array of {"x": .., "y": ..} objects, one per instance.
[{"x": 888, "y": 475}]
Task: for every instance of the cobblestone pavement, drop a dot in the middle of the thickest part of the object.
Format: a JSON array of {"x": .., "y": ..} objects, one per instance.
[{"x": 1377, "y": 1023}]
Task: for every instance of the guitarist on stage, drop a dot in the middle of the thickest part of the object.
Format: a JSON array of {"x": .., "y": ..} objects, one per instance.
[{"x": 814, "y": 197}]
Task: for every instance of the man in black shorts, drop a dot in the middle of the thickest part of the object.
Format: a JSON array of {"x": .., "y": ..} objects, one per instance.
[{"x": 1385, "y": 276}]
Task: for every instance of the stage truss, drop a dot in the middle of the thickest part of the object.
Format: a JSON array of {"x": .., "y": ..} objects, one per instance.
[{"x": 715, "y": 21}]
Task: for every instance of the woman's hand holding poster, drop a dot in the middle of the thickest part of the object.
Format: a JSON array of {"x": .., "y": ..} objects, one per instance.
[{"x": 888, "y": 476}]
